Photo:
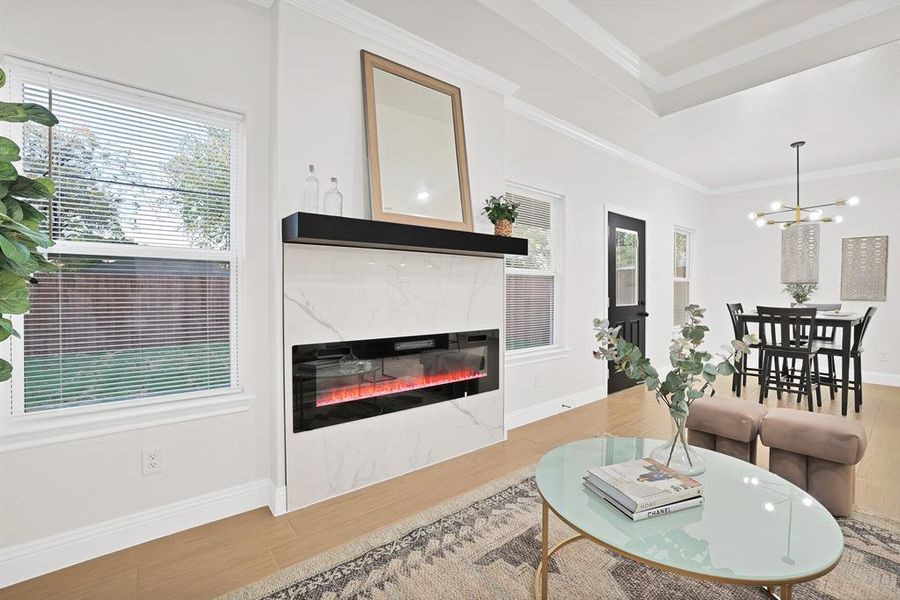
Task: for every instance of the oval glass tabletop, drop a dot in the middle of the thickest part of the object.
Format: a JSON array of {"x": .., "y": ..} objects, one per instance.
[{"x": 752, "y": 527}]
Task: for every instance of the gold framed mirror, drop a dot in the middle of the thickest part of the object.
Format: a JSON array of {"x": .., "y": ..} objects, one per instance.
[{"x": 416, "y": 143}]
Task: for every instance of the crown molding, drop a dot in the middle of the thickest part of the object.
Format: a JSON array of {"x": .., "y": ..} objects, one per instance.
[
  {"x": 532, "y": 113},
  {"x": 774, "y": 42},
  {"x": 355, "y": 19},
  {"x": 267, "y": 4},
  {"x": 857, "y": 169},
  {"x": 590, "y": 31}
]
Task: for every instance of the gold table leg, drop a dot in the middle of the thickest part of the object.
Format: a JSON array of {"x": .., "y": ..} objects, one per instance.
[{"x": 541, "y": 574}]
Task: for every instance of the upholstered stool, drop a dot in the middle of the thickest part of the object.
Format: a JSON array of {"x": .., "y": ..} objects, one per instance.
[
  {"x": 726, "y": 425},
  {"x": 817, "y": 453}
]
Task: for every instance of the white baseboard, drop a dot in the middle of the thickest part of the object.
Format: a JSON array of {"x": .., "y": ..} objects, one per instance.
[
  {"x": 530, "y": 414},
  {"x": 881, "y": 378},
  {"x": 40, "y": 556},
  {"x": 277, "y": 499}
]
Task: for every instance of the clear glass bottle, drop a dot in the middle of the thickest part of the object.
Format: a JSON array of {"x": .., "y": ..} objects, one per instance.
[
  {"x": 311, "y": 192},
  {"x": 333, "y": 201}
]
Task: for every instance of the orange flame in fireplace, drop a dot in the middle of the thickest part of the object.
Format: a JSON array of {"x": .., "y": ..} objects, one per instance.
[{"x": 393, "y": 386}]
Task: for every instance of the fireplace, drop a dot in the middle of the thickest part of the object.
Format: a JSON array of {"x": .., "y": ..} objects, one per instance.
[{"x": 338, "y": 382}]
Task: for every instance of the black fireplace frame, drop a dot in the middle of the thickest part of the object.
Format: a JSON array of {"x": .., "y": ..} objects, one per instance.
[{"x": 307, "y": 415}]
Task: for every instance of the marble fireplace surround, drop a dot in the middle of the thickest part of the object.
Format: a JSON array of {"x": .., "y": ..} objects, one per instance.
[{"x": 342, "y": 293}]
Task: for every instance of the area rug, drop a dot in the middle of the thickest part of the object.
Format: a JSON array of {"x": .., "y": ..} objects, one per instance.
[{"x": 486, "y": 544}]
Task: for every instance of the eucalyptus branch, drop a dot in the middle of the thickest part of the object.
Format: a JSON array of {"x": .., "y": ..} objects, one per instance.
[{"x": 693, "y": 370}]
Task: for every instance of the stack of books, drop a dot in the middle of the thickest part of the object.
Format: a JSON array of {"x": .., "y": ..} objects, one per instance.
[{"x": 644, "y": 488}]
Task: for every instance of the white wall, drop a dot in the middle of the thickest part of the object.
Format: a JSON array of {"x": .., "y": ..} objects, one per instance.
[
  {"x": 590, "y": 179},
  {"x": 744, "y": 261},
  {"x": 214, "y": 53}
]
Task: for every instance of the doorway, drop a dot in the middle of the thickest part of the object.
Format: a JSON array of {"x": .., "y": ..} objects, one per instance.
[{"x": 627, "y": 284}]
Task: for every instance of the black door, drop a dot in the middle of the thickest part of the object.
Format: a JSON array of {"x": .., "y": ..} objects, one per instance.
[{"x": 626, "y": 265}]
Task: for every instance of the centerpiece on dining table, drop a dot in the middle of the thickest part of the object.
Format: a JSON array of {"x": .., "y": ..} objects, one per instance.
[{"x": 692, "y": 376}]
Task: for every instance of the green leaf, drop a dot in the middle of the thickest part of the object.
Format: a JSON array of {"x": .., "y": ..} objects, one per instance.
[
  {"x": 652, "y": 383},
  {"x": 13, "y": 209},
  {"x": 5, "y": 370},
  {"x": 2, "y": 78},
  {"x": 725, "y": 369},
  {"x": 39, "y": 114},
  {"x": 26, "y": 187},
  {"x": 694, "y": 394},
  {"x": 6, "y": 329},
  {"x": 13, "y": 294},
  {"x": 12, "y": 112},
  {"x": 8, "y": 172},
  {"x": 14, "y": 250},
  {"x": 9, "y": 150}
]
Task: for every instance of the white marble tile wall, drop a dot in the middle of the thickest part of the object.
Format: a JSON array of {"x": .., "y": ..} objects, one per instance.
[{"x": 333, "y": 294}]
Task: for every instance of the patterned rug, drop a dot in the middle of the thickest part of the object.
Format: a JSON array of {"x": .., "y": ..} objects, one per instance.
[{"x": 486, "y": 544}]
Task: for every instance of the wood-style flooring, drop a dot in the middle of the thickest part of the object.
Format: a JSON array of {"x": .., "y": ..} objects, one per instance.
[{"x": 215, "y": 558}]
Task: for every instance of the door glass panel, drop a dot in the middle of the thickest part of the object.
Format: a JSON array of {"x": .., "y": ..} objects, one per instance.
[{"x": 626, "y": 267}]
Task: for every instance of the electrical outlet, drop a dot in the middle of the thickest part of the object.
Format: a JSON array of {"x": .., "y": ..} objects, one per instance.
[
  {"x": 152, "y": 460},
  {"x": 537, "y": 380},
  {"x": 883, "y": 357}
]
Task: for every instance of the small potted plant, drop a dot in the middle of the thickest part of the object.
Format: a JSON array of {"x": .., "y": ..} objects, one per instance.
[
  {"x": 800, "y": 292},
  {"x": 502, "y": 213}
]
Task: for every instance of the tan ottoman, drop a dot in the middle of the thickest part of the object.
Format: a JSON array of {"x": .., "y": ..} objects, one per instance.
[
  {"x": 726, "y": 425},
  {"x": 817, "y": 453}
]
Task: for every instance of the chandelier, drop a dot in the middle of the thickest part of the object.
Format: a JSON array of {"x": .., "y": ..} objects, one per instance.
[{"x": 785, "y": 216}]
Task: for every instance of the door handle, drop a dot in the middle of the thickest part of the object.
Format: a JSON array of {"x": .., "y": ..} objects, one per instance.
[{"x": 643, "y": 314}]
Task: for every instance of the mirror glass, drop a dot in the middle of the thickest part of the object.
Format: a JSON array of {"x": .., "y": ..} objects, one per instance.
[{"x": 416, "y": 149}]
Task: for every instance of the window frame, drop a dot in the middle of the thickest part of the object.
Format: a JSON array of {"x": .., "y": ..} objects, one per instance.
[
  {"x": 689, "y": 270},
  {"x": 558, "y": 348},
  {"x": 12, "y": 410}
]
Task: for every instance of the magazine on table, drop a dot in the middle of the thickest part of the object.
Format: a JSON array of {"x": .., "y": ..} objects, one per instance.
[
  {"x": 642, "y": 484},
  {"x": 645, "y": 514}
]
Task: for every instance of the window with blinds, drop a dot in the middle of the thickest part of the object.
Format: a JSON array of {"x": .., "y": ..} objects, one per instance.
[
  {"x": 531, "y": 281},
  {"x": 682, "y": 283},
  {"x": 143, "y": 303}
]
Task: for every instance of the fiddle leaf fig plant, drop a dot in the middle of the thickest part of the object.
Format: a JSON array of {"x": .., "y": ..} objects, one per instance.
[
  {"x": 20, "y": 223},
  {"x": 693, "y": 370}
]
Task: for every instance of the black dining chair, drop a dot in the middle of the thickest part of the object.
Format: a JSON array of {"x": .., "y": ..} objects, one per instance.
[
  {"x": 824, "y": 333},
  {"x": 740, "y": 330},
  {"x": 833, "y": 349},
  {"x": 780, "y": 337}
]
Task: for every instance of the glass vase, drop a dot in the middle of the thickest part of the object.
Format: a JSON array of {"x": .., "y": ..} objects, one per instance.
[{"x": 676, "y": 453}]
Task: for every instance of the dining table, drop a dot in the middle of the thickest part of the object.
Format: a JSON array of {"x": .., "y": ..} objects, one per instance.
[{"x": 843, "y": 322}]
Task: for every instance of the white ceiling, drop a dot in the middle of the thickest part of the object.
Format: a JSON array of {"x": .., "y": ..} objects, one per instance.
[{"x": 712, "y": 90}]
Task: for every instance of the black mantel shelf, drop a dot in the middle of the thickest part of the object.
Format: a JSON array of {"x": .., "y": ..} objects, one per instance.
[{"x": 327, "y": 230}]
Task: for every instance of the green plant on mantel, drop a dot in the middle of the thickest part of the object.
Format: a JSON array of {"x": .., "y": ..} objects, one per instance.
[
  {"x": 20, "y": 222},
  {"x": 499, "y": 208},
  {"x": 800, "y": 292},
  {"x": 692, "y": 375}
]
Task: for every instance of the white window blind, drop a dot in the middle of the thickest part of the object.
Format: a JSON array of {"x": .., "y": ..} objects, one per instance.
[
  {"x": 682, "y": 282},
  {"x": 531, "y": 281},
  {"x": 143, "y": 304}
]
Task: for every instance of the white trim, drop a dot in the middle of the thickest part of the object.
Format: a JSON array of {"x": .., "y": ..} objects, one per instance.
[
  {"x": 543, "y": 410},
  {"x": 614, "y": 49},
  {"x": 518, "y": 358},
  {"x": 532, "y": 113},
  {"x": 277, "y": 499},
  {"x": 774, "y": 42},
  {"x": 30, "y": 559},
  {"x": 266, "y": 4},
  {"x": 891, "y": 379},
  {"x": 857, "y": 169},
  {"x": 76, "y": 423},
  {"x": 116, "y": 92},
  {"x": 378, "y": 30}
]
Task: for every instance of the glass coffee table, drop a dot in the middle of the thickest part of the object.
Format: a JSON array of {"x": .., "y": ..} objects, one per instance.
[{"x": 754, "y": 527}]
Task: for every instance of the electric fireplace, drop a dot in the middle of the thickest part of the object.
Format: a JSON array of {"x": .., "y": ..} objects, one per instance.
[{"x": 345, "y": 381}]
